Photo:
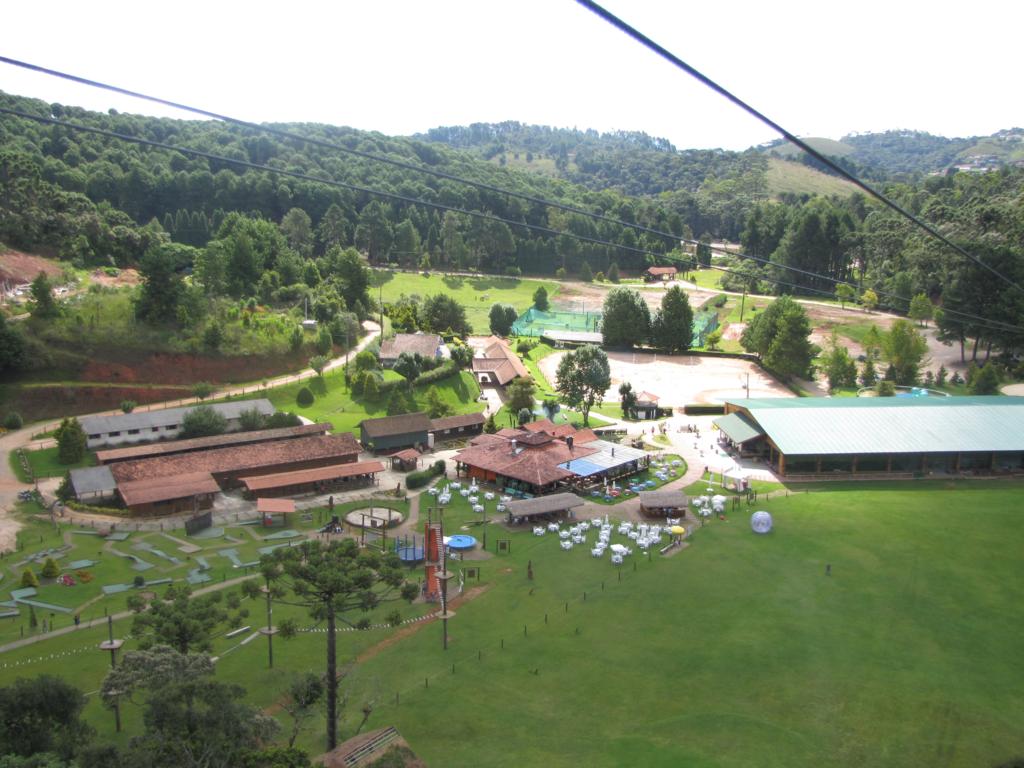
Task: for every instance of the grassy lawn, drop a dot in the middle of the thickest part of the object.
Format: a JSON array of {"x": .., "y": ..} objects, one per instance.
[
  {"x": 531, "y": 359},
  {"x": 707, "y": 278},
  {"x": 476, "y": 294},
  {"x": 334, "y": 403},
  {"x": 45, "y": 463},
  {"x": 111, "y": 566},
  {"x": 854, "y": 331},
  {"x": 737, "y": 651}
]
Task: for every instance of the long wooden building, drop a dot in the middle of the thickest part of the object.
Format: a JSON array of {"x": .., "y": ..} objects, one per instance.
[{"x": 821, "y": 437}]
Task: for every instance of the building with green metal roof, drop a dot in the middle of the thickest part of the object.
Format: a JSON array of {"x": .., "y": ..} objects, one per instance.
[{"x": 896, "y": 435}]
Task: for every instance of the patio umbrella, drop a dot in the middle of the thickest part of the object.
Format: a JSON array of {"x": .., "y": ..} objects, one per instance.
[{"x": 678, "y": 530}]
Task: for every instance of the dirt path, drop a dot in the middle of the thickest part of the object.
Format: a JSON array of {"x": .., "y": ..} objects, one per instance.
[{"x": 22, "y": 438}]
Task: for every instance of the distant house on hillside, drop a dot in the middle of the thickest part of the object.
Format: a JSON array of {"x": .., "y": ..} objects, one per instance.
[
  {"x": 427, "y": 345},
  {"x": 497, "y": 364},
  {"x": 660, "y": 273}
]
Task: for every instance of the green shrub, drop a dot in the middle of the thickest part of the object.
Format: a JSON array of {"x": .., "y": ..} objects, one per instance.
[
  {"x": 203, "y": 421},
  {"x": 13, "y": 420},
  {"x": 442, "y": 371},
  {"x": 78, "y": 506},
  {"x": 304, "y": 398},
  {"x": 29, "y": 579},
  {"x": 523, "y": 346},
  {"x": 50, "y": 569},
  {"x": 418, "y": 479}
]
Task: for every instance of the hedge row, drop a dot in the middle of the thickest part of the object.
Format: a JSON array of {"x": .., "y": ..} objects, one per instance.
[
  {"x": 703, "y": 409},
  {"x": 443, "y": 371},
  {"x": 78, "y": 506},
  {"x": 418, "y": 479}
]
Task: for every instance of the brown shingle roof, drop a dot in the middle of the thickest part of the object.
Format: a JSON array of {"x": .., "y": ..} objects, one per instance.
[
  {"x": 583, "y": 436},
  {"x": 303, "y": 476},
  {"x": 155, "y": 489},
  {"x": 486, "y": 439},
  {"x": 403, "y": 424},
  {"x": 535, "y": 465},
  {"x": 255, "y": 457},
  {"x": 541, "y": 425},
  {"x": 275, "y": 506},
  {"x": 499, "y": 359},
  {"x": 424, "y": 344},
  {"x": 204, "y": 443},
  {"x": 662, "y": 499},
  {"x": 661, "y": 270},
  {"x": 545, "y": 505},
  {"x": 454, "y": 422}
]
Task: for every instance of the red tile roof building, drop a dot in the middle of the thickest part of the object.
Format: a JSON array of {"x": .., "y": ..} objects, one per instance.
[
  {"x": 498, "y": 364},
  {"x": 226, "y": 465}
]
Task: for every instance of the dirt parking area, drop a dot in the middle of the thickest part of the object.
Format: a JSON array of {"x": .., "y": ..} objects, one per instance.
[{"x": 681, "y": 379}]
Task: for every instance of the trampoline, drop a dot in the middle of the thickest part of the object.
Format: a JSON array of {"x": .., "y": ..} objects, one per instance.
[
  {"x": 461, "y": 542},
  {"x": 410, "y": 554}
]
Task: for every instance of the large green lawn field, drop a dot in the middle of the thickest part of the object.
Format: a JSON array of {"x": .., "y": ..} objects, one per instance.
[
  {"x": 476, "y": 294},
  {"x": 334, "y": 402},
  {"x": 739, "y": 650}
]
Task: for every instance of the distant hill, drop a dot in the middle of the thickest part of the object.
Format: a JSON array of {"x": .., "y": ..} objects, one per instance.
[
  {"x": 630, "y": 162},
  {"x": 825, "y": 146},
  {"x": 901, "y": 153}
]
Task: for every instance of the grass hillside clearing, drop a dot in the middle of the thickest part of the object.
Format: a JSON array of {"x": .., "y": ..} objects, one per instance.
[
  {"x": 334, "y": 402},
  {"x": 476, "y": 294},
  {"x": 798, "y": 179}
]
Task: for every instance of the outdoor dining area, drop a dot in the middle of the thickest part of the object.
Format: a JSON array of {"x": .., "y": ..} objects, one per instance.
[{"x": 597, "y": 535}]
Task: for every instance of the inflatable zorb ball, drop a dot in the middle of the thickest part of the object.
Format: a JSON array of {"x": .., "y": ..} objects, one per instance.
[{"x": 760, "y": 522}]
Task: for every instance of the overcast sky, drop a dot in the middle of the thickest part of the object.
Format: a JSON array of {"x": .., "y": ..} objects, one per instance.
[{"x": 403, "y": 66}]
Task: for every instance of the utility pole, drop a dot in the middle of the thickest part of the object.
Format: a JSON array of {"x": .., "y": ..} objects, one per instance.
[
  {"x": 743, "y": 303},
  {"x": 113, "y": 646}
]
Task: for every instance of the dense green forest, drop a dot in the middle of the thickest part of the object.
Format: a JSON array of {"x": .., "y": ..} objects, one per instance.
[
  {"x": 89, "y": 197},
  {"x": 875, "y": 249},
  {"x": 251, "y": 236}
]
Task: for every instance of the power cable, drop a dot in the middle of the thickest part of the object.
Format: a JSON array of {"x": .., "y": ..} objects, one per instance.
[
  {"x": 404, "y": 198},
  {"x": 647, "y": 42},
  {"x": 397, "y": 163},
  {"x": 337, "y": 147},
  {"x": 480, "y": 185}
]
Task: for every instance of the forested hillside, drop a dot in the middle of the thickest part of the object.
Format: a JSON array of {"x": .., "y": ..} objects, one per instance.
[
  {"x": 295, "y": 222},
  {"x": 907, "y": 154},
  {"x": 92, "y": 198},
  {"x": 717, "y": 186},
  {"x": 814, "y": 243}
]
